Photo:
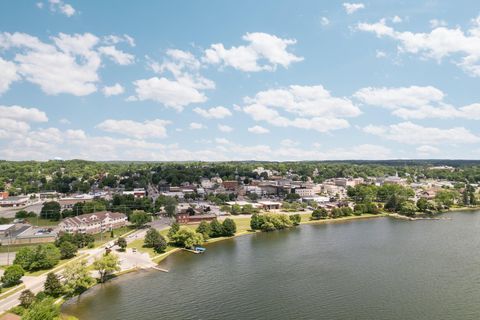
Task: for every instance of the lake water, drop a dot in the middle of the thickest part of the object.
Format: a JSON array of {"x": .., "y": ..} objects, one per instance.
[{"x": 366, "y": 269}]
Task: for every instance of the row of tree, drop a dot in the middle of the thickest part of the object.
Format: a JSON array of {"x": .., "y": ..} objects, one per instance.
[{"x": 273, "y": 221}]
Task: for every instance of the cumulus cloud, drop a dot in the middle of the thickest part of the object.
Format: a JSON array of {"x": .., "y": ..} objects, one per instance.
[
  {"x": 309, "y": 107},
  {"x": 426, "y": 150},
  {"x": 416, "y": 102},
  {"x": 23, "y": 114},
  {"x": 324, "y": 21},
  {"x": 196, "y": 126},
  {"x": 116, "y": 55},
  {"x": 185, "y": 86},
  {"x": 59, "y": 6},
  {"x": 258, "y": 130},
  {"x": 225, "y": 128},
  {"x": 439, "y": 43},
  {"x": 410, "y": 133},
  {"x": 213, "y": 113},
  {"x": 8, "y": 74},
  {"x": 150, "y": 128},
  {"x": 263, "y": 53},
  {"x": 69, "y": 65},
  {"x": 351, "y": 8},
  {"x": 114, "y": 90}
]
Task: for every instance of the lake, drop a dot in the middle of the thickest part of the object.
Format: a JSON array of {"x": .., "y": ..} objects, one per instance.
[{"x": 364, "y": 269}]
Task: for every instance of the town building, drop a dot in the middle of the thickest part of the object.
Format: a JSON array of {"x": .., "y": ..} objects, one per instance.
[
  {"x": 93, "y": 222},
  {"x": 13, "y": 201},
  {"x": 304, "y": 192},
  {"x": 184, "y": 217},
  {"x": 137, "y": 193}
]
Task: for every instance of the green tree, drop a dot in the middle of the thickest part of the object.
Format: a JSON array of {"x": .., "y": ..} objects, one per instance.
[
  {"x": 45, "y": 309},
  {"x": 153, "y": 239},
  {"x": 320, "y": 213},
  {"x": 122, "y": 243},
  {"x": 12, "y": 275},
  {"x": 106, "y": 265},
  {"x": 173, "y": 229},
  {"x": 52, "y": 286},
  {"x": 51, "y": 210},
  {"x": 76, "y": 278},
  {"x": 295, "y": 218},
  {"x": 67, "y": 250},
  {"x": 204, "y": 229},
  {"x": 26, "y": 298},
  {"x": 216, "y": 229},
  {"x": 229, "y": 227},
  {"x": 422, "y": 205},
  {"x": 291, "y": 197},
  {"x": 22, "y": 214},
  {"x": 408, "y": 208},
  {"x": 256, "y": 221},
  {"x": 187, "y": 238},
  {"x": 139, "y": 218}
]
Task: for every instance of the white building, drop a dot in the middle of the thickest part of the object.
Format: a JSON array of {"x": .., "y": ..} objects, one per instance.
[
  {"x": 93, "y": 222},
  {"x": 304, "y": 192}
]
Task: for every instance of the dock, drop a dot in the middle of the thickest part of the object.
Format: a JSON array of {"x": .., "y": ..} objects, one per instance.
[{"x": 160, "y": 269}]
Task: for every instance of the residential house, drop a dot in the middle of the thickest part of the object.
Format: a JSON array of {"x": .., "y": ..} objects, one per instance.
[{"x": 93, "y": 222}]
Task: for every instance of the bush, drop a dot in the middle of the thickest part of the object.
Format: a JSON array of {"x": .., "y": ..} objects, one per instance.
[
  {"x": 42, "y": 310},
  {"x": 271, "y": 221},
  {"x": 320, "y": 213},
  {"x": 26, "y": 298},
  {"x": 22, "y": 214},
  {"x": 296, "y": 219},
  {"x": 12, "y": 275},
  {"x": 38, "y": 258},
  {"x": 68, "y": 250},
  {"x": 187, "y": 238}
]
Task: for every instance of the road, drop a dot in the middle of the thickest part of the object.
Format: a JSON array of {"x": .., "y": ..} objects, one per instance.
[
  {"x": 10, "y": 212},
  {"x": 35, "y": 283}
]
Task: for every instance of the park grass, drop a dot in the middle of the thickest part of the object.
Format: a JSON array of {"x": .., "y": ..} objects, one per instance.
[
  {"x": 40, "y": 222},
  {"x": 60, "y": 264},
  {"x": 16, "y": 247},
  {"x": 101, "y": 239}
]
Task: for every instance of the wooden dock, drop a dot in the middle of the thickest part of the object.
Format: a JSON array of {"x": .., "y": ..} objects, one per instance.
[{"x": 160, "y": 269}]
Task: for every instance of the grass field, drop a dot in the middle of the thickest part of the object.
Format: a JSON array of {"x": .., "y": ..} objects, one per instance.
[{"x": 42, "y": 222}]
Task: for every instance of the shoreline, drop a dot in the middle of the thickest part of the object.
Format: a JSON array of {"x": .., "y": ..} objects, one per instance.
[{"x": 161, "y": 257}]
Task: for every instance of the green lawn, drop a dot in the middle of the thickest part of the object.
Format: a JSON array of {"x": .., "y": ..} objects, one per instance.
[
  {"x": 16, "y": 247},
  {"x": 102, "y": 238},
  {"x": 42, "y": 222},
  {"x": 138, "y": 244}
]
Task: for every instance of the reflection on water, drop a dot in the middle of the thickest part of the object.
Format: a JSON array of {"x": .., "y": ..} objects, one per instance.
[{"x": 368, "y": 269}]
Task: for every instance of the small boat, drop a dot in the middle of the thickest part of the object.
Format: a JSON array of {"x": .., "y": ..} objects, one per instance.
[{"x": 199, "y": 249}]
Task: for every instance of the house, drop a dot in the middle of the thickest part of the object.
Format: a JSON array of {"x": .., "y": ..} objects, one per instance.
[
  {"x": 185, "y": 217},
  {"x": 93, "y": 222},
  {"x": 3, "y": 195},
  {"x": 137, "y": 193},
  {"x": 270, "y": 205},
  {"x": 230, "y": 185},
  {"x": 304, "y": 192}
]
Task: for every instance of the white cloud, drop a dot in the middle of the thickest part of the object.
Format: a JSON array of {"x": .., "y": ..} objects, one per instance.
[
  {"x": 23, "y": 114},
  {"x": 324, "y": 21},
  {"x": 439, "y": 43},
  {"x": 116, "y": 55},
  {"x": 225, "y": 128},
  {"x": 222, "y": 141},
  {"x": 435, "y": 23},
  {"x": 288, "y": 143},
  {"x": 60, "y": 6},
  {"x": 262, "y": 47},
  {"x": 69, "y": 65},
  {"x": 258, "y": 130},
  {"x": 410, "y": 133},
  {"x": 213, "y": 113},
  {"x": 416, "y": 102},
  {"x": 8, "y": 74},
  {"x": 196, "y": 126},
  {"x": 312, "y": 107},
  {"x": 10, "y": 128},
  {"x": 114, "y": 90},
  {"x": 151, "y": 128},
  {"x": 351, "y": 8},
  {"x": 397, "y": 19},
  {"x": 65, "y": 121},
  {"x": 185, "y": 88},
  {"x": 380, "y": 54},
  {"x": 115, "y": 39},
  {"x": 426, "y": 150}
]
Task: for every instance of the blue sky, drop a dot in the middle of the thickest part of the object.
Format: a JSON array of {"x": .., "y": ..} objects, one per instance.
[{"x": 218, "y": 80}]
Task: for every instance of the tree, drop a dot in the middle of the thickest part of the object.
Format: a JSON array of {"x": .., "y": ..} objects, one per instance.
[
  {"x": 422, "y": 204},
  {"x": 22, "y": 214},
  {"x": 151, "y": 238},
  {"x": 256, "y": 221},
  {"x": 76, "y": 277},
  {"x": 52, "y": 286},
  {"x": 173, "y": 229},
  {"x": 187, "y": 238},
  {"x": 51, "y": 210},
  {"x": 216, "y": 229},
  {"x": 291, "y": 197},
  {"x": 160, "y": 245},
  {"x": 26, "y": 298},
  {"x": 320, "y": 213},
  {"x": 408, "y": 208},
  {"x": 139, "y": 218},
  {"x": 106, "y": 265},
  {"x": 12, "y": 275},
  {"x": 229, "y": 227},
  {"x": 122, "y": 243},
  {"x": 295, "y": 218},
  {"x": 45, "y": 309},
  {"x": 204, "y": 229},
  {"x": 67, "y": 250}
]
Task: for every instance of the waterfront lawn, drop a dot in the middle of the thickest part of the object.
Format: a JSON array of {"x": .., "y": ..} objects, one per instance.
[
  {"x": 101, "y": 239},
  {"x": 138, "y": 244}
]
